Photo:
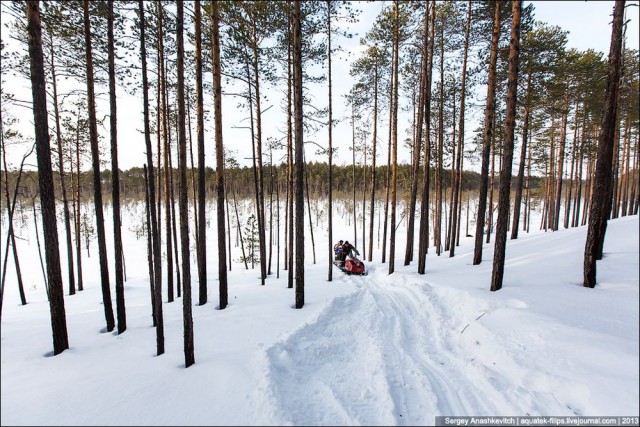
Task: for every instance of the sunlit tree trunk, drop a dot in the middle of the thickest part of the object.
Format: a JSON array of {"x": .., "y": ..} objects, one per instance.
[
  {"x": 489, "y": 114},
  {"x": 602, "y": 178},
  {"x": 507, "y": 154}
]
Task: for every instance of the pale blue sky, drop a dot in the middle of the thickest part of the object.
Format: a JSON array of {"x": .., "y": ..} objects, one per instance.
[{"x": 588, "y": 22}]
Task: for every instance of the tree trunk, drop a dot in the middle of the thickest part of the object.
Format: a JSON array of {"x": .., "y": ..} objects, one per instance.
[
  {"x": 193, "y": 178},
  {"x": 166, "y": 138},
  {"x": 306, "y": 184},
  {"x": 97, "y": 183},
  {"x": 388, "y": 179},
  {"x": 290, "y": 159},
  {"x": 602, "y": 186},
  {"x": 353, "y": 172},
  {"x": 228, "y": 215},
  {"x": 448, "y": 222},
  {"x": 115, "y": 180},
  {"x": 77, "y": 207},
  {"x": 271, "y": 211},
  {"x": 505, "y": 171},
  {"x": 297, "y": 93},
  {"x": 260, "y": 199},
  {"x": 172, "y": 206},
  {"x": 149, "y": 246},
  {"x": 489, "y": 114},
  {"x": 373, "y": 162},
  {"x": 423, "y": 244},
  {"x": 63, "y": 185},
  {"x": 590, "y": 186},
  {"x": 330, "y": 195},
  {"x": 551, "y": 209},
  {"x": 567, "y": 205},
  {"x": 523, "y": 155},
  {"x": 45, "y": 180},
  {"x": 625, "y": 187},
  {"x": 11, "y": 206},
  {"x": 577, "y": 202},
  {"x": 634, "y": 198},
  {"x": 437, "y": 233},
  {"x": 458, "y": 177},
  {"x": 202, "y": 220},
  {"x": 235, "y": 207},
  {"x": 408, "y": 255},
  {"x": 394, "y": 152},
  {"x": 37, "y": 233},
  {"x": 563, "y": 141},
  {"x": 490, "y": 207},
  {"x": 278, "y": 225},
  {"x": 157, "y": 276},
  {"x": 364, "y": 196},
  {"x": 615, "y": 171},
  {"x": 189, "y": 358},
  {"x": 222, "y": 256}
]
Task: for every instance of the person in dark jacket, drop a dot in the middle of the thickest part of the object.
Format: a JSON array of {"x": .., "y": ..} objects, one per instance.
[{"x": 347, "y": 249}]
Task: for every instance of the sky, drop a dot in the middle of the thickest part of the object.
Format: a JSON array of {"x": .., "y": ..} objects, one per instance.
[
  {"x": 379, "y": 349},
  {"x": 588, "y": 24}
]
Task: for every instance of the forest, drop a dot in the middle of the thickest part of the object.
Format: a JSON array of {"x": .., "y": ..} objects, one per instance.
[{"x": 558, "y": 128}]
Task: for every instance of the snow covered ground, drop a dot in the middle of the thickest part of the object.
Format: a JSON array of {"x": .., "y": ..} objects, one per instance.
[{"x": 382, "y": 349}]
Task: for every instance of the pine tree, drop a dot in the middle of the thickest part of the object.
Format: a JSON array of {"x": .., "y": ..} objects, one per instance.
[
  {"x": 115, "y": 178},
  {"x": 505, "y": 171},
  {"x": 297, "y": 103},
  {"x": 157, "y": 277},
  {"x": 189, "y": 358},
  {"x": 489, "y": 115},
  {"x": 601, "y": 199},
  {"x": 222, "y": 258},
  {"x": 97, "y": 183},
  {"x": 45, "y": 179}
]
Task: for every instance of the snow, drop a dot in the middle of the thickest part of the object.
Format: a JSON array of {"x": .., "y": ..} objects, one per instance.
[{"x": 381, "y": 349}]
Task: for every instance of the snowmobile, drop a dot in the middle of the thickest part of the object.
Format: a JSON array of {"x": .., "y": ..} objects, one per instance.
[{"x": 352, "y": 265}]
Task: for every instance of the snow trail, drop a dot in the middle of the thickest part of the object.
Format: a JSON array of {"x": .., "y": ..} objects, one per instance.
[{"x": 403, "y": 350}]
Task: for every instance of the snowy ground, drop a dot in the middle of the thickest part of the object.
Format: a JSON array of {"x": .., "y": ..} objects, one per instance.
[{"x": 376, "y": 350}]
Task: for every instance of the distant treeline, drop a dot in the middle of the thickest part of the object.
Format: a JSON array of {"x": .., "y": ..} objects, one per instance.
[{"x": 239, "y": 181}]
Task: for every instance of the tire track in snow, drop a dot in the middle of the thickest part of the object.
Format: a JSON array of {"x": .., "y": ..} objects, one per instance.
[{"x": 384, "y": 355}]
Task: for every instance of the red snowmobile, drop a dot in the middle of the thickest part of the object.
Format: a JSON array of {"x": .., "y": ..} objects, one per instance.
[{"x": 352, "y": 265}]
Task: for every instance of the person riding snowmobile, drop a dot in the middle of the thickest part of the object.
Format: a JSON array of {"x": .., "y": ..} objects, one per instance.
[{"x": 347, "y": 248}]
